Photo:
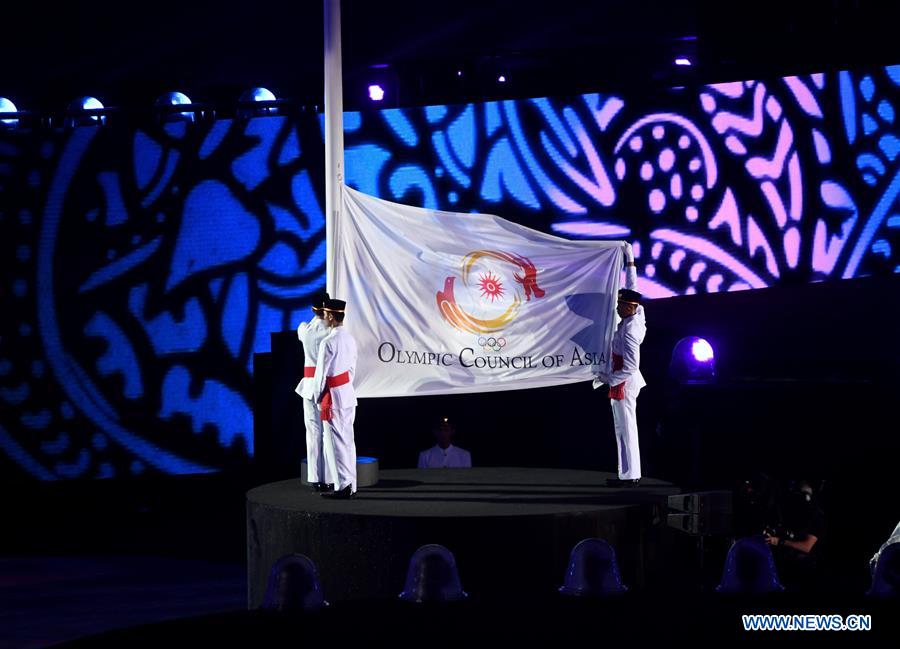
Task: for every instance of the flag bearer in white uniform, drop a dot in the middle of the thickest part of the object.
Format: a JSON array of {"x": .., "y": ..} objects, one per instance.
[
  {"x": 335, "y": 368},
  {"x": 311, "y": 334},
  {"x": 625, "y": 380}
]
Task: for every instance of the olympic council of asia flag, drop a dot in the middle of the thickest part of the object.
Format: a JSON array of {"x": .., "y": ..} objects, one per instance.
[{"x": 445, "y": 302}]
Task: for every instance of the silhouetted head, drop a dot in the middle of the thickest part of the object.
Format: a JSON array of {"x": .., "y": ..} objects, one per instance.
[
  {"x": 293, "y": 585},
  {"x": 749, "y": 568},
  {"x": 886, "y": 579},
  {"x": 432, "y": 577},
  {"x": 443, "y": 432},
  {"x": 593, "y": 571}
]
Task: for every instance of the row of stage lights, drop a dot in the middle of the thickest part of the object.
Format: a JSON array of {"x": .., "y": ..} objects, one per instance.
[
  {"x": 171, "y": 106},
  {"x": 257, "y": 101}
]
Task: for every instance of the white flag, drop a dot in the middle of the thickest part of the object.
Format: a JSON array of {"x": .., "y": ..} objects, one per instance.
[{"x": 446, "y": 302}]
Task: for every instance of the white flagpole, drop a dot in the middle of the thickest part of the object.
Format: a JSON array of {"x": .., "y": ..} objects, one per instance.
[{"x": 334, "y": 139}]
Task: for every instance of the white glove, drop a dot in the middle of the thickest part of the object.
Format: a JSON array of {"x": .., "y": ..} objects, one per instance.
[
  {"x": 629, "y": 253},
  {"x": 598, "y": 382}
]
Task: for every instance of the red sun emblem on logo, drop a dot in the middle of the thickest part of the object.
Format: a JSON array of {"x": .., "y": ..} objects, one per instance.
[{"x": 490, "y": 286}]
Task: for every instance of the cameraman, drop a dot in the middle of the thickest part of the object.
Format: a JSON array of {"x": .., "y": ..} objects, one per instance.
[{"x": 795, "y": 536}]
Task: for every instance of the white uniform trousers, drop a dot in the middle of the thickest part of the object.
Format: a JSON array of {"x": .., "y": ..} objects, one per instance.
[
  {"x": 339, "y": 436},
  {"x": 318, "y": 470},
  {"x": 625, "y": 422}
]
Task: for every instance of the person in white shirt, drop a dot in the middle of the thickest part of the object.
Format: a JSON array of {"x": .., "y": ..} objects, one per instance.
[
  {"x": 626, "y": 380},
  {"x": 335, "y": 369},
  {"x": 444, "y": 454},
  {"x": 311, "y": 334}
]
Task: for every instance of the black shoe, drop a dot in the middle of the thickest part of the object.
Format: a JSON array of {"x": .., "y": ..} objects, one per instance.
[
  {"x": 619, "y": 483},
  {"x": 323, "y": 487},
  {"x": 344, "y": 494}
]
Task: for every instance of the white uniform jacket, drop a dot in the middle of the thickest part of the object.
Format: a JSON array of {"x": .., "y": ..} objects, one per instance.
[
  {"x": 627, "y": 344},
  {"x": 311, "y": 334},
  {"x": 337, "y": 355},
  {"x": 452, "y": 457}
]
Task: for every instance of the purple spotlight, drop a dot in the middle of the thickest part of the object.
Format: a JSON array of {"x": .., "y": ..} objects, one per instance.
[
  {"x": 376, "y": 92},
  {"x": 501, "y": 79},
  {"x": 682, "y": 60},
  {"x": 693, "y": 361},
  {"x": 702, "y": 351}
]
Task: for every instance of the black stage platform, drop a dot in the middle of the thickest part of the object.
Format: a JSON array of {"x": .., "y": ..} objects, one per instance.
[{"x": 509, "y": 528}]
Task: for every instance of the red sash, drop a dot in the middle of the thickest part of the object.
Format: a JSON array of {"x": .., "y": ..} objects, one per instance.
[
  {"x": 309, "y": 371},
  {"x": 332, "y": 382},
  {"x": 617, "y": 392}
]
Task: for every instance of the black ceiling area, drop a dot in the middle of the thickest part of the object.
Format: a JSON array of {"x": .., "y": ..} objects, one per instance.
[{"x": 127, "y": 54}]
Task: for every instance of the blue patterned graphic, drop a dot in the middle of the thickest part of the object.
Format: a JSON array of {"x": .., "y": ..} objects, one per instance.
[
  {"x": 215, "y": 231},
  {"x": 217, "y": 406},
  {"x": 162, "y": 261},
  {"x": 119, "y": 357},
  {"x": 145, "y": 266},
  {"x": 735, "y": 187}
]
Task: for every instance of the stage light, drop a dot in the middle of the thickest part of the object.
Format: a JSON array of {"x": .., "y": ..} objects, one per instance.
[
  {"x": 501, "y": 78},
  {"x": 175, "y": 99},
  {"x": 78, "y": 118},
  {"x": 6, "y": 106},
  {"x": 254, "y": 95},
  {"x": 380, "y": 83},
  {"x": 459, "y": 73},
  {"x": 258, "y": 94},
  {"x": 702, "y": 351},
  {"x": 682, "y": 60},
  {"x": 693, "y": 361}
]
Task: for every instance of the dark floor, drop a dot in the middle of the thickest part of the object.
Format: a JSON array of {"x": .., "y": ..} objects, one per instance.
[
  {"x": 46, "y": 600},
  {"x": 176, "y": 548},
  {"x": 81, "y": 557},
  {"x": 632, "y": 620}
]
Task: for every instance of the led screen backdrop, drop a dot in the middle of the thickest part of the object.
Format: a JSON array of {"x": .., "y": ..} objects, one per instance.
[{"x": 144, "y": 265}]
